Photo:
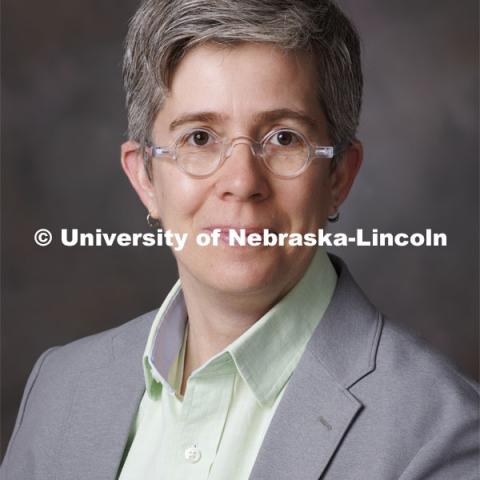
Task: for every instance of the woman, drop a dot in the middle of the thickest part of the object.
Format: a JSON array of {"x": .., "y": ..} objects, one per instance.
[{"x": 263, "y": 361}]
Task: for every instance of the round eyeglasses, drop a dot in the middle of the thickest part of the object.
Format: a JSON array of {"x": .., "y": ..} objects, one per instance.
[{"x": 286, "y": 153}]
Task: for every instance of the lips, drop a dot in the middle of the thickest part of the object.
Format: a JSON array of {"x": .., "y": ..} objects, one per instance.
[{"x": 249, "y": 230}]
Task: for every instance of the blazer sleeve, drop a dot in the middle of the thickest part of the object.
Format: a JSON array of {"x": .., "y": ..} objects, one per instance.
[{"x": 14, "y": 462}]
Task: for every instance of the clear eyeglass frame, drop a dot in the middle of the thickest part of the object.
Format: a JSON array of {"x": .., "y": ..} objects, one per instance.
[{"x": 257, "y": 147}]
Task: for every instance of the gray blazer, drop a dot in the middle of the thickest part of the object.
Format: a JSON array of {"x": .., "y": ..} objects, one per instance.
[{"x": 366, "y": 402}]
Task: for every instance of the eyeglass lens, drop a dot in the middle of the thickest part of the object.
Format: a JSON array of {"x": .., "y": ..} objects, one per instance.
[{"x": 285, "y": 153}]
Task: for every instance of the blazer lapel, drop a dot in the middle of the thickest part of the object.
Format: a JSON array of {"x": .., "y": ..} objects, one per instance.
[
  {"x": 104, "y": 406},
  {"x": 307, "y": 427},
  {"x": 317, "y": 408}
]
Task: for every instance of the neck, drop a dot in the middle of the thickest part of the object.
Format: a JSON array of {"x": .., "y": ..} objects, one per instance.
[{"x": 217, "y": 319}]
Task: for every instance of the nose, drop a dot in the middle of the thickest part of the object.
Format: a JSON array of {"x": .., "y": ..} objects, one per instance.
[{"x": 243, "y": 176}]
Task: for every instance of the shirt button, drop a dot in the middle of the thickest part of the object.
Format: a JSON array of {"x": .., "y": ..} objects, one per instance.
[{"x": 193, "y": 454}]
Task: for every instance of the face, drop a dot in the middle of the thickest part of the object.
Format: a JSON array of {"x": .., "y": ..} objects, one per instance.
[{"x": 245, "y": 90}]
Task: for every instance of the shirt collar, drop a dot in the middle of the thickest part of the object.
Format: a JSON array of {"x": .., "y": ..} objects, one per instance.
[
  {"x": 274, "y": 344},
  {"x": 164, "y": 341}
]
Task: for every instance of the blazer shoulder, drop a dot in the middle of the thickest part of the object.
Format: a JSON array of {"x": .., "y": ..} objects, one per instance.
[
  {"x": 53, "y": 384},
  {"x": 407, "y": 363},
  {"x": 101, "y": 348},
  {"x": 410, "y": 350}
]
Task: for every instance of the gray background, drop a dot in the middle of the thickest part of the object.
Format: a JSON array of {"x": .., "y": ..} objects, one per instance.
[{"x": 63, "y": 122}]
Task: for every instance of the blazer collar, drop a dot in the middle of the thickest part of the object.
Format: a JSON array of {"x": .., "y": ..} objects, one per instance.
[
  {"x": 346, "y": 341},
  {"x": 317, "y": 408}
]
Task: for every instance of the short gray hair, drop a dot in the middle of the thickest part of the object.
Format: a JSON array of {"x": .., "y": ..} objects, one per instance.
[{"x": 162, "y": 31}]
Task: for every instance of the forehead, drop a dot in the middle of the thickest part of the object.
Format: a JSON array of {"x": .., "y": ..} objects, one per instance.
[{"x": 242, "y": 81}]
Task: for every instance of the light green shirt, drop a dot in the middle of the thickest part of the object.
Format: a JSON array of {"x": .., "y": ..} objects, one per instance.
[{"x": 215, "y": 430}]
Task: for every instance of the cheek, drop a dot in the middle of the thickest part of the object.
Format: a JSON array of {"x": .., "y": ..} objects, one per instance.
[
  {"x": 178, "y": 196},
  {"x": 307, "y": 202}
]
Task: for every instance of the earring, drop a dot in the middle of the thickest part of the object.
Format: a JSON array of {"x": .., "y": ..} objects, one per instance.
[
  {"x": 334, "y": 218},
  {"x": 152, "y": 222}
]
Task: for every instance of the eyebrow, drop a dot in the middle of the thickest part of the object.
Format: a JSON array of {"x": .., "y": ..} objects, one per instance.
[
  {"x": 205, "y": 117},
  {"x": 261, "y": 117},
  {"x": 285, "y": 114}
]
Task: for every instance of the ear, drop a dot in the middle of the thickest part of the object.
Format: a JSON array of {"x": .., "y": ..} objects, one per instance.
[
  {"x": 134, "y": 167},
  {"x": 344, "y": 174}
]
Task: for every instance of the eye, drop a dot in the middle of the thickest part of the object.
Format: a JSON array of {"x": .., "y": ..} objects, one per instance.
[
  {"x": 285, "y": 138},
  {"x": 199, "y": 138}
]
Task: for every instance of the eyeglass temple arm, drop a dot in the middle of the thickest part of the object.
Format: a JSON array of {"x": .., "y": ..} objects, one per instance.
[
  {"x": 329, "y": 152},
  {"x": 158, "y": 151}
]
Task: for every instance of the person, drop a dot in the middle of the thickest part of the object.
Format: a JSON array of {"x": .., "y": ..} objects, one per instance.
[{"x": 263, "y": 362}]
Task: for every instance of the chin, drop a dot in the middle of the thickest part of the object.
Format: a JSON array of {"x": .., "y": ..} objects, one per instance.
[
  {"x": 238, "y": 281},
  {"x": 244, "y": 271}
]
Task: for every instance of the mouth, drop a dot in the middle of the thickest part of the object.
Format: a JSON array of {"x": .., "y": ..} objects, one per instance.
[{"x": 240, "y": 235}]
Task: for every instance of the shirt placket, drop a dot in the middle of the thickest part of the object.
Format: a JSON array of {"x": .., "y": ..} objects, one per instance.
[{"x": 203, "y": 415}]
